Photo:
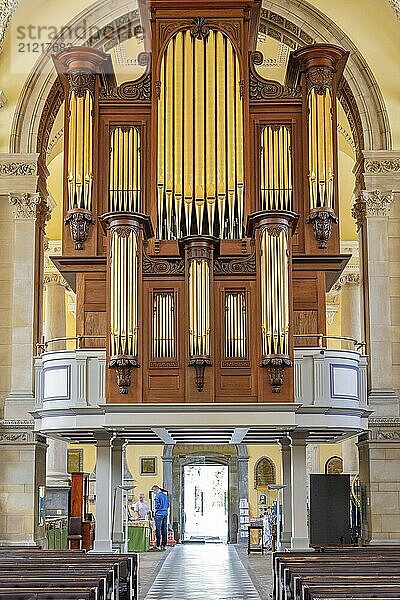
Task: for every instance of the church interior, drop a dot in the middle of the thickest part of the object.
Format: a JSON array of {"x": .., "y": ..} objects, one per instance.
[{"x": 200, "y": 291}]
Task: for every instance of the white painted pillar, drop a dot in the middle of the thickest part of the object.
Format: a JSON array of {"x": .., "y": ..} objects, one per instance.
[
  {"x": 117, "y": 495},
  {"x": 287, "y": 493},
  {"x": 300, "y": 534},
  {"x": 56, "y": 467},
  {"x": 102, "y": 542},
  {"x": 350, "y": 306}
]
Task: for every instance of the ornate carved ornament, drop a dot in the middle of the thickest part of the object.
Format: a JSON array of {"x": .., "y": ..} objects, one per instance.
[
  {"x": 138, "y": 90},
  {"x": 235, "y": 266},
  {"x": 55, "y": 277},
  {"x": 234, "y": 364},
  {"x": 26, "y": 205},
  {"x": 122, "y": 231},
  {"x": 17, "y": 169},
  {"x": 168, "y": 364},
  {"x": 200, "y": 28},
  {"x": 382, "y": 166},
  {"x": 123, "y": 366},
  {"x": 349, "y": 278},
  {"x": 80, "y": 82},
  {"x": 7, "y": 9},
  {"x": 162, "y": 266},
  {"x": 377, "y": 202},
  {"x": 319, "y": 78},
  {"x": 275, "y": 229},
  {"x": 349, "y": 105},
  {"x": 266, "y": 89},
  {"x": 276, "y": 366},
  {"x": 321, "y": 220},
  {"x": 200, "y": 363},
  {"x": 79, "y": 221}
]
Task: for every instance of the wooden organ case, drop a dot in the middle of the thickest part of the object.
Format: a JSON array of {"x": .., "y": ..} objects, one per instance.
[{"x": 201, "y": 206}]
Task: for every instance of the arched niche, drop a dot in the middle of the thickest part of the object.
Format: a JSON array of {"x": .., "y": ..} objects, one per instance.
[{"x": 264, "y": 473}]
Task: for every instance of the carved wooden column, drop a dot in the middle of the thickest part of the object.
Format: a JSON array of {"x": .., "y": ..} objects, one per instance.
[
  {"x": 199, "y": 252},
  {"x": 272, "y": 231},
  {"x": 125, "y": 232},
  {"x": 321, "y": 67}
]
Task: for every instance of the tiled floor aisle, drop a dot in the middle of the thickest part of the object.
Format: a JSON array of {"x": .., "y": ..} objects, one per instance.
[{"x": 209, "y": 572}]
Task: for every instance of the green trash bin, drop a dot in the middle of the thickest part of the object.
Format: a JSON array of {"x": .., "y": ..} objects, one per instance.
[{"x": 139, "y": 538}]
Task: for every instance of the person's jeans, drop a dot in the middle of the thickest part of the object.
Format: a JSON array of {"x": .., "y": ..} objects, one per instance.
[{"x": 161, "y": 530}]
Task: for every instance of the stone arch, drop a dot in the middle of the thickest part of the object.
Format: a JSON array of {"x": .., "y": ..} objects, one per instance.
[
  {"x": 294, "y": 24},
  {"x": 264, "y": 472}
]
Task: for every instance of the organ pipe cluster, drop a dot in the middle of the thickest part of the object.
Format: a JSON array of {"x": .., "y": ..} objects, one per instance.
[
  {"x": 320, "y": 148},
  {"x": 200, "y": 139},
  {"x": 124, "y": 293},
  {"x": 274, "y": 278},
  {"x": 80, "y": 157},
  {"x": 276, "y": 168},
  {"x": 235, "y": 325},
  {"x": 124, "y": 192},
  {"x": 199, "y": 308},
  {"x": 164, "y": 325}
]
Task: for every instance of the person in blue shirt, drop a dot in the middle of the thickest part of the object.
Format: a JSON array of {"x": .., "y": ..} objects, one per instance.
[{"x": 161, "y": 506}]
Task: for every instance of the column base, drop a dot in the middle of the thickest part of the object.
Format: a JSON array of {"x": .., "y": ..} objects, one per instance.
[
  {"x": 286, "y": 539},
  {"x": 102, "y": 546},
  {"x": 302, "y": 544}
]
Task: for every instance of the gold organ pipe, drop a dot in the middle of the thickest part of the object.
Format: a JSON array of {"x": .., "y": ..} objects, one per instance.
[
  {"x": 169, "y": 136},
  {"x": 231, "y": 138},
  {"x": 210, "y": 128},
  {"x": 71, "y": 152},
  {"x": 188, "y": 128},
  {"x": 199, "y": 114},
  {"x": 329, "y": 148}
]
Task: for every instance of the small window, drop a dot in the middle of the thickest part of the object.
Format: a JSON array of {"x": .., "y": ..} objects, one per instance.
[
  {"x": 334, "y": 466},
  {"x": 264, "y": 473}
]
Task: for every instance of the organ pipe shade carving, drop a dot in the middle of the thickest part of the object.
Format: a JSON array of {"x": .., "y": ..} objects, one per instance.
[
  {"x": 80, "y": 158},
  {"x": 276, "y": 168},
  {"x": 235, "y": 325},
  {"x": 320, "y": 148},
  {"x": 124, "y": 192},
  {"x": 199, "y": 308},
  {"x": 124, "y": 293},
  {"x": 274, "y": 292},
  {"x": 200, "y": 139},
  {"x": 163, "y": 325}
]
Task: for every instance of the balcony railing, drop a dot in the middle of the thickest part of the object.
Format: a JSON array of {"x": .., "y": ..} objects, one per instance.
[{"x": 330, "y": 371}]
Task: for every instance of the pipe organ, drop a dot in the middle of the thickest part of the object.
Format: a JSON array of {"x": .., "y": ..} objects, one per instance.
[{"x": 201, "y": 206}]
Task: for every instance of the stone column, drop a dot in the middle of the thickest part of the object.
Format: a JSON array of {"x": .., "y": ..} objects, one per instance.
[
  {"x": 371, "y": 212},
  {"x": 379, "y": 480},
  {"x": 287, "y": 492},
  {"x": 102, "y": 542},
  {"x": 117, "y": 515},
  {"x": 300, "y": 535},
  {"x": 30, "y": 215}
]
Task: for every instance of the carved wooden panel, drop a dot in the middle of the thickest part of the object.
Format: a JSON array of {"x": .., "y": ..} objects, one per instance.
[
  {"x": 91, "y": 308},
  {"x": 308, "y": 306}
]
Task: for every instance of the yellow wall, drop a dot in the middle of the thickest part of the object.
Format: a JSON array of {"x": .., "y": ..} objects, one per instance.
[
  {"x": 325, "y": 452},
  {"x": 255, "y": 452}
]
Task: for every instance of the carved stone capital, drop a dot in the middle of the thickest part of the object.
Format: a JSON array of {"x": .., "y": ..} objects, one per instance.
[
  {"x": 25, "y": 205},
  {"x": 377, "y": 202},
  {"x": 56, "y": 278},
  {"x": 349, "y": 279},
  {"x": 371, "y": 204}
]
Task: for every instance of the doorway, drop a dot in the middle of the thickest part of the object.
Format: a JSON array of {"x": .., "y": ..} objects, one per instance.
[{"x": 205, "y": 503}]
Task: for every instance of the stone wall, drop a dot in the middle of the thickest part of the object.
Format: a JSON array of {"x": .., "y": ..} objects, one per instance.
[
  {"x": 380, "y": 482},
  {"x": 6, "y": 279}
]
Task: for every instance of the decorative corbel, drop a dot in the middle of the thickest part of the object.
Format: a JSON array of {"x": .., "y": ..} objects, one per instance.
[
  {"x": 321, "y": 220},
  {"x": 79, "y": 221},
  {"x": 276, "y": 365},
  {"x": 123, "y": 366},
  {"x": 200, "y": 364}
]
